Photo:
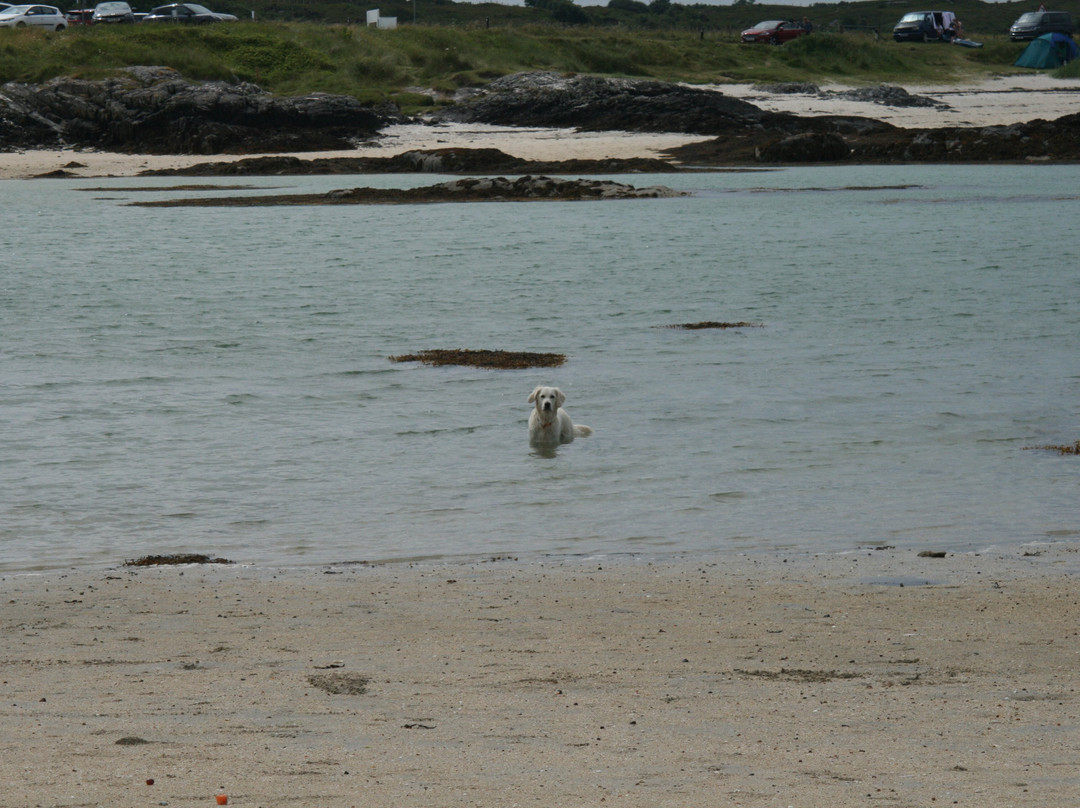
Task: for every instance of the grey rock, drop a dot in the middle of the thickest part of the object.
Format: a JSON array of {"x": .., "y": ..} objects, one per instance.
[
  {"x": 594, "y": 103},
  {"x": 154, "y": 110},
  {"x": 887, "y": 95}
]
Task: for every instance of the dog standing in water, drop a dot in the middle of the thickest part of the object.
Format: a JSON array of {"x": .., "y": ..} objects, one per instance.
[{"x": 549, "y": 423}]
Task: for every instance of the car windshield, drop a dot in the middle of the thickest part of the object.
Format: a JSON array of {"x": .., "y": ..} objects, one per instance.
[
  {"x": 16, "y": 10},
  {"x": 1030, "y": 17},
  {"x": 112, "y": 8},
  {"x": 767, "y": 24},
  {"x": 913, "y": 17},
  {"x": 198, "y": 9}
]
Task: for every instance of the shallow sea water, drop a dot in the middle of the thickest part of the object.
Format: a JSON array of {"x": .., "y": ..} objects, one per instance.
[{"x": 217, "y": 379}]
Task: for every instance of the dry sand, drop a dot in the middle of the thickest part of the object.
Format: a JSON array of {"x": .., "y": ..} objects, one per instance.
[
  {"x": 1002, "y": 100},
  {"x": 996, "y": 101},
  {"x": 876, "y": 677}
]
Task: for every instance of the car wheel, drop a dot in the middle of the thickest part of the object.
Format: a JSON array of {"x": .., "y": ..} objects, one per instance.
[
  {"x": 59, "y": 28},
  {"x": 774, "y": 40},
  {"x": 20, "y": 24}
]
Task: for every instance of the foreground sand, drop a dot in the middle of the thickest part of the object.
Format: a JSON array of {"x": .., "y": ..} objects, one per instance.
[
  {"x": 1000, "y": 100},
  {"x": 873, "y": 678}
]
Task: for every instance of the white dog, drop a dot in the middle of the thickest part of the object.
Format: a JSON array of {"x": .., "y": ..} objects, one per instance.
[{"x": 549, "y": 423}]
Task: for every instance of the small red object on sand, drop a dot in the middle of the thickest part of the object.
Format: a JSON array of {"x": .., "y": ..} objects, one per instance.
[
  {"x": 222, "y": 799},
  {"x": 150, "y": 782}
]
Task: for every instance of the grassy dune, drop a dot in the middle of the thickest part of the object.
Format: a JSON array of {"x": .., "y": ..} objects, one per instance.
[{"x": 292, "y": 58}]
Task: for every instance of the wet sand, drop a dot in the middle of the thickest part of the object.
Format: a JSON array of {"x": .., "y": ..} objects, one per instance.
[{"x": 876, "y": 677}]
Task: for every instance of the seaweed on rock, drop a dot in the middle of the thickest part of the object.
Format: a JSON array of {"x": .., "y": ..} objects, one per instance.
[
  {"x": 176, "y": 558},
  {"x": 712, "y": 324}
]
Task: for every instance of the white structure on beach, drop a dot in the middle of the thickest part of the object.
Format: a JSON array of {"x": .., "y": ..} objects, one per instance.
[{"x": 373, "y": 18}]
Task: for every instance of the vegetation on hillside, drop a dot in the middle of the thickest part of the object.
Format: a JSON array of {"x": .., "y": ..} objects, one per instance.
[
  {"x": 982, "y": 18},
  {"x": 408, "y": 63}
]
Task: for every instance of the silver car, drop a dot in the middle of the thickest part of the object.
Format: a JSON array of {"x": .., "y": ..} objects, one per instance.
[
  {"x": 41, "y": 16},
  {"x": 113, "y": 12}
]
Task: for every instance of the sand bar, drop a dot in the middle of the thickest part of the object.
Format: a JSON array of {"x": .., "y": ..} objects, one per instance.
[
  {"x": 1000, "y": 100},
  {"x": 876, "y": 677}
]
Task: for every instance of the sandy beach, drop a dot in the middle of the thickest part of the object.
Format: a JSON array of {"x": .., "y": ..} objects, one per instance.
[
  {"x": 874, "y": 677},
  {"x": 1001, "y": 100}
]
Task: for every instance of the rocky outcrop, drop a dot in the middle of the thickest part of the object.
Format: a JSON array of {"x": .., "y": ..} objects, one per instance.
[
  {"x": 1034, "y": 141},
  {"x": 153, "y": 110},
  {"x": 420, "y": 161},
  {"x": 745, "y": 133},
  {"x": 477, "y": 189},
  {"x": 593, "y": 103},
  {"x": 885, "y": 94},
  {"x": 808, "y": 147}
]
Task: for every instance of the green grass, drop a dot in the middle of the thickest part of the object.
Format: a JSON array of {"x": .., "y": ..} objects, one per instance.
[{"x": 294, "y": 58}]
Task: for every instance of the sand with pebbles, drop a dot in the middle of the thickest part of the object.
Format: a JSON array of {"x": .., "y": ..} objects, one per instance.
[{"x": 876, "y": 677}]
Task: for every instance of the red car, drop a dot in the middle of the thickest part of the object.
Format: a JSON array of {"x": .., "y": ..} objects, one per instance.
[
  {"x": 775, "y": 32},
  {"x": 80, "y": 16}
]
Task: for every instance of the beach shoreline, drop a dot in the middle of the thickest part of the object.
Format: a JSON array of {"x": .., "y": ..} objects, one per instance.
[
  {"x": 772, "y": 679},
  {"x": 1000, "y": 100}
]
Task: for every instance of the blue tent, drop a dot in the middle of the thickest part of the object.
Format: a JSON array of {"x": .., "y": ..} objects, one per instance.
[{"x": 1048, "y": 51}]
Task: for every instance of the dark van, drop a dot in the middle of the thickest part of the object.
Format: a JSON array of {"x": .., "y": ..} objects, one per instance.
[
  {"x": 1036, "y": 23},
  {"x": 924, "y": 26}
]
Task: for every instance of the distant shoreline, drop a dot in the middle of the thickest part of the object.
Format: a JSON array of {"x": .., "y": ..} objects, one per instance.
[{"x": 998, "y": 101}]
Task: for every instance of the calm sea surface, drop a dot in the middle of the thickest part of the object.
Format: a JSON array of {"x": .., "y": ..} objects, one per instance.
[{"x": 217, "y": 380}]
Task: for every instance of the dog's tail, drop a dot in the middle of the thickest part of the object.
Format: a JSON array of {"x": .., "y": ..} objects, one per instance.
[{"x": 580, "y": 430}]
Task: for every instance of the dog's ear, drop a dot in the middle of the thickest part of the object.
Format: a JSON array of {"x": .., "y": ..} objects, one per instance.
[
  {"x": 560, "y": 397},
  {"x": 533, "y": 394}
]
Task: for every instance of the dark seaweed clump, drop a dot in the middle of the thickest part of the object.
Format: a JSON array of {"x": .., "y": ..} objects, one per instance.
[
  {"x": 502, "y": 360},
  {"x": 179, "y": 558},
  {"x": 713, "y": 324},
  {"x": 348, "y": 684},
  {"x": 1067, "y": 449}
]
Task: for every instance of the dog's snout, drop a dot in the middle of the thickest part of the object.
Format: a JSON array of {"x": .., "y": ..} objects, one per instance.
[{"x": 547, "y": 405}]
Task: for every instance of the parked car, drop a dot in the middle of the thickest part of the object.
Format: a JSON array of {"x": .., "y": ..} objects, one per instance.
[
  {"x": 79, "y": 16},
  {"x": 186, "y": 12},
  {"x": 925, "y": 26},
  {"x": 1036, "y": 23},
  {"x": 775, "y": 32},
  {"x": 113, "y": 12},
  {"x": 38, "y": 16}
]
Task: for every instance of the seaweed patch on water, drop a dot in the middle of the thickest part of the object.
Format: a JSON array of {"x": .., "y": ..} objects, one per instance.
[
  {"x": 711, "y": 324},
  {"x": 819, "y": 189},
  {"x": 501, "y": 360},
  {"x": 177, "y": 558},
  {"x": 1066, "y": 449},
  {"x": 165, "y": 188}
]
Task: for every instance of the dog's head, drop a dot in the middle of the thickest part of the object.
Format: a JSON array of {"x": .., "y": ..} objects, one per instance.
[{"x": 547, "y": 399}]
